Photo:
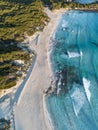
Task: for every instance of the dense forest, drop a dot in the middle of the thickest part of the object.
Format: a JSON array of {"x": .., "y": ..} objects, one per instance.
[
  {"x": 19, "y": 18},
  {"x": 68, "y": 4},
  {"x": 16, "y": 20}
]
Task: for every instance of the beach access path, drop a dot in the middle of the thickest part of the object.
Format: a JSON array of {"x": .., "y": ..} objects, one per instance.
[{"x": 28, "y": 111}]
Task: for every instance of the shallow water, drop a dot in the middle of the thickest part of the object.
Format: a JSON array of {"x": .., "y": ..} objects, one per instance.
[
  {"x": 74, "y": 103},
  {"x": 85, "y": 1}
]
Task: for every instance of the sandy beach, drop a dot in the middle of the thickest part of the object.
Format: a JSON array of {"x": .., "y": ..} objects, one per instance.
[{"x": 29, "y": 112}]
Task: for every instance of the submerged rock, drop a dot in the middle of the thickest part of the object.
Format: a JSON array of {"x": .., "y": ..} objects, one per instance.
[
  {"x": 4, "y": 124},
  {"x": 64, "y": 80}
]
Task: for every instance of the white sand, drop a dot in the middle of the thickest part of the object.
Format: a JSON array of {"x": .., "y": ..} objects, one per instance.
[{"x": 29, "y": 113}]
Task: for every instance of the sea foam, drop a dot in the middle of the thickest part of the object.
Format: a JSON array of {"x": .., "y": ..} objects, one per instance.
[
  {"x": 86, "y": 87},
  {"x": 64, "y": 24},
  {"x": 73, "y": 54},
  {"x": 78, "y": 98}
]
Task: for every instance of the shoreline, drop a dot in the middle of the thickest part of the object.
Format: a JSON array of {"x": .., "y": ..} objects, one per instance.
[
  {"x": 30, "y": 106},
  {"x": 30, "y": 87},
  {"x": 47, "y": 114},
  {"x": 87, "y": 10}
]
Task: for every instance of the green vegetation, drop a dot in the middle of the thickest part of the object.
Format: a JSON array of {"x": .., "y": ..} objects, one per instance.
[
  {"x": 19, "y": 17},
  {"x": 8, "y": 69},
  {"x": 73, "y": 5},
  {"x": 16, "y": 19},
  {"x": 56, "y": 4}
]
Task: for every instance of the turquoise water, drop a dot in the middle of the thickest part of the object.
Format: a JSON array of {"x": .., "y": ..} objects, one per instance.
[
  {"x": 85, "y": 1},
  {"x": 74, "y": 103}
]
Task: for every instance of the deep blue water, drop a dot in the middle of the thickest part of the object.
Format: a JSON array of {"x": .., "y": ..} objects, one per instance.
[{"x": 74, "y": 103}]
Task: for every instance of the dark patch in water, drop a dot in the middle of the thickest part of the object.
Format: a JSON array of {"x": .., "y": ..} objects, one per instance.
[
  {"x": 73, "y": 47},
  {"x": 4, "y": 124},
  {"x": 94, "y": 43},
  {"x": 64, "y": 80},
  {"x": 67, "y": 76}
]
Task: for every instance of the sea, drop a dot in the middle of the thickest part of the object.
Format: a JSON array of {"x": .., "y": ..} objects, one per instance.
[
  {"x": 85, "y": 1},
  {"x": 73, "y": 103}
]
